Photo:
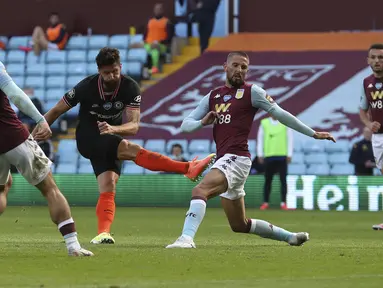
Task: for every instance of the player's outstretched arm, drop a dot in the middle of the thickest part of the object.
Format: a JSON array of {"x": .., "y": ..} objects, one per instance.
[
  {"x": 199, "y": 117},
  {"x": 60, "y": 108}
]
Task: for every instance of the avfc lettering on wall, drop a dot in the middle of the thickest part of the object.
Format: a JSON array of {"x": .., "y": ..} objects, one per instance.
[{"x": 222, "y": 107}]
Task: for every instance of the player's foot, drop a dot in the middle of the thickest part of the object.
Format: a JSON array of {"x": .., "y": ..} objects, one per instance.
[
  {"x": 299, "y": 239},
  {"x": 197, "y": 167},
  {"x": 378, "y": 226},
  {"x": 264, "y": 206},
  {"x": 79, "y": 252},
  {"x": 103, "y": 238},
  {"x": 182, "y": 242}
]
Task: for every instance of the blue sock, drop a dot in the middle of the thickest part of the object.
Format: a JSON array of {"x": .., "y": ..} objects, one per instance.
[
  {"x": 194, "y": 217},
  {"x": 266, "y": 230}
]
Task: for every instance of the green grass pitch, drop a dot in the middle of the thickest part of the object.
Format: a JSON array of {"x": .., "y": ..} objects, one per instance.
[{"x": 343, "y": 251}]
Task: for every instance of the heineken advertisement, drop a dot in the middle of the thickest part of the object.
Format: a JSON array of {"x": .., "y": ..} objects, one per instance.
[{"x": 341, "y": 193}]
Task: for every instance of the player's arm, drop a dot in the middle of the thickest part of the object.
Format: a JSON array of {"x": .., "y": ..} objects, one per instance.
[
  {"x": 66, "y": 103},
  {"x": 128, "y": 129},
  {"x": 364, "y": 116},
  {"x": 260, "y": 99},
  {"x": 199, "y": 117}
]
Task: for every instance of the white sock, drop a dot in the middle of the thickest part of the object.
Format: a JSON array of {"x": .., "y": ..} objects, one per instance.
[
  {"x": 266, "y": 230},
  {"x": 71, "y": 240},
  {"x": 194, "y": 217}
]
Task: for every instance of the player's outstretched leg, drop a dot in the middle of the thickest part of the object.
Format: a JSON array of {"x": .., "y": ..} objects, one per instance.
[
  {"x": 157, "y": 162},
  {"x": 61, "y": 216}
]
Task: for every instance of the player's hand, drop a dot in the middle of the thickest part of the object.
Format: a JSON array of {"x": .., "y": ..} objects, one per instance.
[
  {"x": 105, "y": 128},
  {"x": 42, "y": 131},
  {"x": 324, "y": 136},
  {"x": 209, "y": 118},
  {"x": 374, "y": 126}
]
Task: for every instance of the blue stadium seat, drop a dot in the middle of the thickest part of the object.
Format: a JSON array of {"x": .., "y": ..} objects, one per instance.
[
  {"x": 54, "y": 94},
  {"x": 296, "y": 169},
  {"x": 92, "y": 56},
  {"x": 76, "y": 56},
  {"x": 156, "y": 145},
  {"x": 75, "y": 69},
  {"x": 119, "y": 41},
  {"x": 56, "y": 82},
  {"x": 67, "y": 145},
  {"x": 56, "y": 69},
  {"x": 342, "y": 169},
  {"x": 3, "y": 56},
  {"x": 98, "y": 41},
  {"x": 49, "y": 105},
  {"x": 297, "y": 145},
  {"x": 17, "y": 41},
  {"x": 73, "y": 113},
  {"x": 132, "y": 168},
  {"x": 252, "y": 147},
  {"x": 149, "y": 172},
  {"x": 92, "y": 69},
  {"x": 16, "y": 69},
  {"x": 32, "y": 58},
  {"x": 20, "y": 81},
  {"x": 66, "y": 168},
  {"x": 318, "y": 169},
  {"x": 339, "y": 146},
  {"x": 139, "y": 142},
  {"x": 77, "y": 43},
  {"x": 138, "y": 38},
  {"x": 137, "y": 54},
  {"x": 377, "y": 172},
  {"x": 338, "y": 158},
  {"x": 36, "y": 82},
  {"x": 39, "y": 94},
  {"x": 298, "y": 158},
  {"x": 15, "y": 56},
  {"x": 56, "y": 57},
  {"x": 182, "y": 142},
  {"x": 82, "y": 160},
  {"x": 74, "y": 80},
  {"x": 66, "y": 157},
  {"x": 123, "y": 55},
  {"x": 181, "y": 30},
  {"x": 199, "y": 146},
  {"x": 133, "y": 69},
  {"x": 313, "y": 146},
  {"x": 36, "y": 69},
  {"x": 4, "y": 39},
  {"x": 200, "y": 155},
  {"x": 85, "y": 169},
  {"x": 316, "y": 158}
]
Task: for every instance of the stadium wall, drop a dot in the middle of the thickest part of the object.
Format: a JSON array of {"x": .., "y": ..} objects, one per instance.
[{"x": 309, "y": 192}]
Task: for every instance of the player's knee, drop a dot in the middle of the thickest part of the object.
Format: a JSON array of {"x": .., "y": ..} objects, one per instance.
[
  {"x": 128, "y": 150},
  {"x": 107, "y": 185},
  {"x": 199, "y": 192}
]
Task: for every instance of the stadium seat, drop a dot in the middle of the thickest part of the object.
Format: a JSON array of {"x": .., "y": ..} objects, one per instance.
[
  {"x": 32, "y": 58},
  {"x": 15, "y": 56},
  {"x": 149, "y": 172},
  {"x": 297, "y": 145},
  {"x": 316, "y": 158},
  {"x": 17, "y": 41},
  {"x": 77, "y": 43},
  {"x": 339, "y": 146},
  {"x": 252, "y": 147},
  {"x": 133, "y": 69},
  {"x": 66, "y": 157},
  {"x": 16, "y": 69},
  {"x": 77, "y": 56},
  {"x": 19, "y": 81},
  {"x": 85, "y": 169},
  {"x": 49, "y": 105},
  {"x": 182, "y": 142},
  {"x": 318, "y": 169},
  {"x": 137, "y": 54},
  {"x": 92, "y": 69},
  {"x": 36, "y": 82},
  {"x": 92, "y": 56},
  {"x": 377, "y": 172},
  {"x": 132, "y": 168},
  {"x": 54, "y": 94},
  {"x": 313, "y": 146},
  {"x": 119, "y": 41},
  {"x": 67, "y": 145},
  {"x": 123, "y": 55},
  {"x": 74, "y": 80},
  {"x": 4, "y": 39},
  {"x": 296, "y": 169},
  {"x": 39, "y": 94},
  {"x": 181, "y": 30},
  {"x": 298, "y": 158},
  {"x": 73, "y": 112},
  {"x": 199, "y": 146},
  {"x": 75, "y": 69},
  {"x": 156, "y": 145},
  {"x": 338, "y": 158},
  {"x": 342, "y": 169},
  {"x": 200, "y": 155},
  {"x": 3, "y": 56},
  {"x": 98, "y": 41},
  {"x": 36, "y": 69},
  {"x": 57, "y": 82},
  {"x": 66, "y": 168},
  {"x": 56, "y": 69},
  {"x": 138, "y": 38},
  {"x": 82, "y": 160},
  {"x": 56, "y": 57}
]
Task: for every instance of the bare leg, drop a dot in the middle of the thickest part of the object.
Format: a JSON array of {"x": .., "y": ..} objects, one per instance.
[
  {"x": 40, "y": 42},
  {"x": 4, "y": 189}
]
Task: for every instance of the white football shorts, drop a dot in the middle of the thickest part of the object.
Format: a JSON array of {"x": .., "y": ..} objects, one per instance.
[{"x": 377, "y": 149}]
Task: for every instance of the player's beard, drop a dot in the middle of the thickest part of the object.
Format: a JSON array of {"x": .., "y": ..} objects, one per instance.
[{"x": 237, "y": 82}]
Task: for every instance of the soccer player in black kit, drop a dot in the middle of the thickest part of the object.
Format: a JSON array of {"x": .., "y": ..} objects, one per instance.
[{"x": 104, "y": 98}]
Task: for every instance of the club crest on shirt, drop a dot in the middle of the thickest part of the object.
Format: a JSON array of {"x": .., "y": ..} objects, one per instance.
[
  {"x": 107, "y": 106},
  {"x": 239, "y": 93},
  {"x": 71, "y": 94},
  {"x": 118, "y": 105},
  {"x": 378, "y": 85}
]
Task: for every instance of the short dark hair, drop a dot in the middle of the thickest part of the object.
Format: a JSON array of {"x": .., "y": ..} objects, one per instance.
[
  {"x": 177, "y": 145},
  {"x": 239, "y": 53},
  {"x": 376, "y": 46},
  {"x": 108, "y": 56},
  {"x": 54, "y": 14}
]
